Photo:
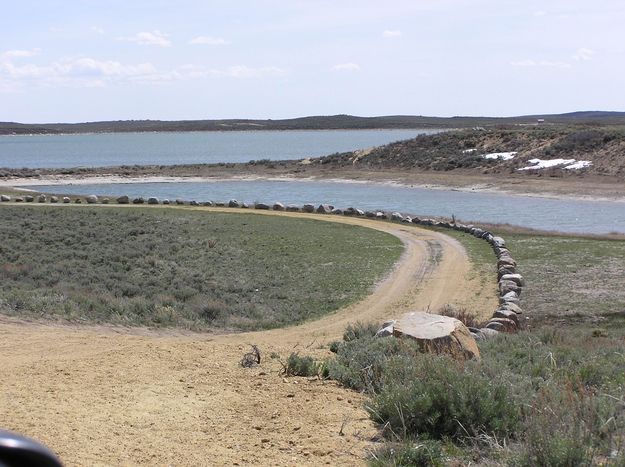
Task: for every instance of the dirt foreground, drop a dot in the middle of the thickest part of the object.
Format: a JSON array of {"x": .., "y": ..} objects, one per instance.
[{"x": 100, "y": 395}]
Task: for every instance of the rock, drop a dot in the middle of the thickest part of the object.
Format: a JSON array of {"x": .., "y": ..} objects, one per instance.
[
  {"x": 261, "y": 206},
  {"x": 233, "y": 203},
  {"x": 220, "y": 204},
  {"x": 516, "y": 278},
  {"x": 512, "y": 307},
  {"x": 502, "y": 324},
  {"x": 337, "y": 212},
  {"x": 407, "y": 219},
  {"x": 502, "y": 271},
  {"x": 489, "y": 333},
  {"x": 180, "y": 202},
  {"x": 308, "y": 208},
  {"x": 78, "y": 201},
  {"x": 477, "y": 334},
  {"x": 29, "y": 199},
  {"x": 386, "y": 329},
  {"x": 138, "y": 200},
  {"x": 54, "y": 199},
  {"x": 416, "y": 220},
  {"x": 105, "y": 201},
  {"x": 5, "y": 198},
  {"x": 437, "y": 334},
  {"x": 194, "y": 203},
  {"x": 508, "y": 286},
  {"x": 510, "y": 297},
  {"x": 91, "y": 199},
  {"x": 278, "y": 206},
  {"x": 244, "y": 205},
  {"x": 205, "y": 203},
  {"x": 152, "y": 200},
  {"x": 396, "y": 216},
  {"x": 324, "y": 209},
  {"x": 350, "y": 211},
  {"x": 369, "y": 214},
  {"x": 123, "y": 200},
  {"x": 506, "y": 314},
  {"x": 66, "y": 199},
  {"x": 19, "y": 199},
  {"x": 506, "y": 261},
  {"x": 166, "y": 201},
  {"x": 293, "y": 208},
  {"x": 41, "y": 198},
  {"x": 380, "y": 215},
  {"x": 360, "y": 212},
  {"x": 499, "y": 242}
]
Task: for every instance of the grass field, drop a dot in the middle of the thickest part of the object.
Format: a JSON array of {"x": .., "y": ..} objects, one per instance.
[{"x": 178, "y": 267}]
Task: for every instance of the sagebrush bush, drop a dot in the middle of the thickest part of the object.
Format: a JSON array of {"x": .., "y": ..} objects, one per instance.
[
  {"x": 297, "y": 365},
  {"x": 434, "y": 396},
  {"x": 359, "y": 330},
  {"x": 421, "y": 453},
  {"x": 360, "y": 363}
]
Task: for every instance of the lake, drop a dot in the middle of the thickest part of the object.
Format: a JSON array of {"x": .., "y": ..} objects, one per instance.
[
  {"x": 539, "y": 213},
  {"x": 207, "y": 147}
]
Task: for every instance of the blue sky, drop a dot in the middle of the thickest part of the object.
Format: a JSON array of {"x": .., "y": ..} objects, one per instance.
[{"x": 85, "y": 60}]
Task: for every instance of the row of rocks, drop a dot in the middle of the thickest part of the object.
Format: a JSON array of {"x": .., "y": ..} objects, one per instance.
[{"x": 52, "y": 199}]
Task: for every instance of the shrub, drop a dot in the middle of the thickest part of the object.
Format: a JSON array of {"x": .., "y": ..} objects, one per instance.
[
  {"x": 359, "y": 330},
  {"x": 418, "y": 454},
  {"x": 435, "y": 397},
  {"x": 359, "y": 363},
  {"x": 565, "y": 427},
  {"x": 301, "y": 366}
]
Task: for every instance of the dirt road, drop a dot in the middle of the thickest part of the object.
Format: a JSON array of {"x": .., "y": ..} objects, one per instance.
[{"x": 111, "y": 396}]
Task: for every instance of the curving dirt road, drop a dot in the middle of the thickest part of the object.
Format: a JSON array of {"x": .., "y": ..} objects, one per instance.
[{"x": 110, "y": 396}]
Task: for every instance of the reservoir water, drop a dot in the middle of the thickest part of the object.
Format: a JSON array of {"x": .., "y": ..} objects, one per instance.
[
  {"x": 207, "y": 147},
  {"x": 539, "y": 213}
]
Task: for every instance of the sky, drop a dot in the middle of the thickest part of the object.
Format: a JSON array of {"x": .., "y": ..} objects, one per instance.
[{"x": 90, "y": 60}]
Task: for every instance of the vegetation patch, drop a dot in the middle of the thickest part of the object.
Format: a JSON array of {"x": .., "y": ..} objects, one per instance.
[
  {"x": 571, "y": 279},
  {"x": 178, "y": 267}
]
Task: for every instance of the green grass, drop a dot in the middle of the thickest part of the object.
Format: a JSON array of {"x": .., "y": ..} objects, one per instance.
[
  {"x": 571, "y": 279},
  {"x": 179, "y": 267}
]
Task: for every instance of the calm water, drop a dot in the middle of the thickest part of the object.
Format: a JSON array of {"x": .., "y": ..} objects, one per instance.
[
  {"x": 102, "y": 150},
  {"x": 540, "y": 213}
]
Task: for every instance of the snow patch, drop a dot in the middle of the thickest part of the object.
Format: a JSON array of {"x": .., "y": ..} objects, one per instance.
[
  {"x": 570, "y": 164},
  {"x": 579, "y": 165},
  {"x": 467, "y": 151},
  {"x": 504, "y": 156}
]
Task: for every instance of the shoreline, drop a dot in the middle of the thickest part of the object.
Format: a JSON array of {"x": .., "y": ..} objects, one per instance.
[{"x": 482, "y": 187}]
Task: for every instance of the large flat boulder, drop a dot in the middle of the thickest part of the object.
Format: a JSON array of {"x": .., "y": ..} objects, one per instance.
[{"x": 437, "y": 334}]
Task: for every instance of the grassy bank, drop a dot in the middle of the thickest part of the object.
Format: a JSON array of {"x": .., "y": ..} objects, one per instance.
[{"x": 178, "y": 267}]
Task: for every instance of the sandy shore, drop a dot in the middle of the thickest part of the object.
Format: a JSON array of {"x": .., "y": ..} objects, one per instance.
[{"x": 584, "y": 192}]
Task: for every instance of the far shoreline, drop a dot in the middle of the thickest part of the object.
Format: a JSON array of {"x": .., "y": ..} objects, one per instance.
[{"x": 478, "y": 187}]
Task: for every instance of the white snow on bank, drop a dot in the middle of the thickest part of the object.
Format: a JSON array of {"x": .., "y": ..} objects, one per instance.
[
  {"x": 467, "y": 151},
  {"x": 570, "y": 164},
  {"x": 504, "y": 156},
  {"x": 579, "y": 165}
]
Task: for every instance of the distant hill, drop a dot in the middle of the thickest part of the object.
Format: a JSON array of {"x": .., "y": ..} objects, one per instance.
[
  {"x": 331, "y": 122},
  {"x": 603, "y": 146}
]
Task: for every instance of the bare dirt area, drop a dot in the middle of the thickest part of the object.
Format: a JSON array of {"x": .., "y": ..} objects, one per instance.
[{"x": 101, "y": 395}]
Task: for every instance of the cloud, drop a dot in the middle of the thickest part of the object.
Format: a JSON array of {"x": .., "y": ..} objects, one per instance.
[
  {"x": 19, "y": 53},
  {"x": 90, "y": 72},
  {"x": 237, "y": 71},
  {"x": 540, "y": 13},
  {"x": 149, "y": 38},
  {"x": 393, "y": 33},
  {"x": 208, "y": 40},
  {"x": 583, "y": 54},
  {"x": 540, "y": 63},
  {"x": 346, "y": 67},
  {"x": 97, "y": 29}
]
